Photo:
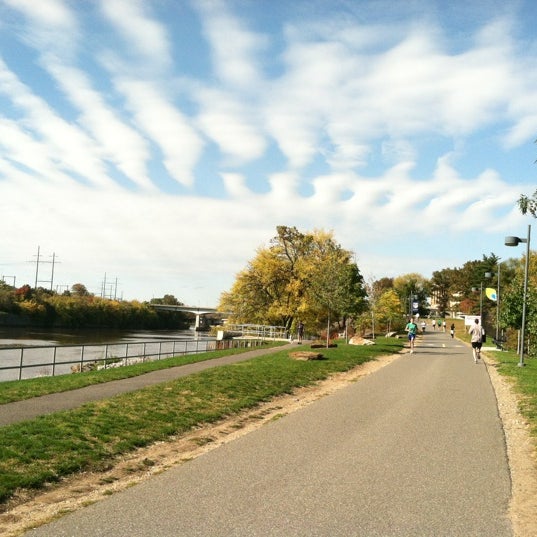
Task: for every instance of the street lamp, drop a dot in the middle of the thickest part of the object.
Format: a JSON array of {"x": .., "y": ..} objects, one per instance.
[
  {"x": 487, "y": 275},
  {"x": 515, "y": 241}
]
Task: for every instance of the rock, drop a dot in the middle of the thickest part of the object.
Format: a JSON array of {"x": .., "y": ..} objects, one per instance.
[{"x": 357, "y": 340}]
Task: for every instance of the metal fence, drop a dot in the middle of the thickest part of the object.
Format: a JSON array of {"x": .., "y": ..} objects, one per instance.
[
  {"x": 258, "y": 331},
  {"x": 19, "y": 363}
]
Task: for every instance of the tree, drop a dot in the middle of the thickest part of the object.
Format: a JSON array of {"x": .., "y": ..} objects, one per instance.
[
  {"x": 79, "y": 289},
  {"x": 528, "y": 204},
  {"x": 388, "y": 308},
  {"x": 168, "y": 300},
  {"x": 512, "y": 298},
  {"x": 412, "y": 287},
  {"x": 441, "y": 283},
  {"x": 300, "y": 276},
  {"x": 335, "y": 285}
]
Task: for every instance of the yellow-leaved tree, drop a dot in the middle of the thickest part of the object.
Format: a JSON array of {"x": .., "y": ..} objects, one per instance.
[{"x": 304, "y": 277}]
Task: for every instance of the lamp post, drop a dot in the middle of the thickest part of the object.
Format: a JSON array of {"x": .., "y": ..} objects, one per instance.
[
  {"x": 489, "y": 275},
  {"x": 486, "y": 275},
  {"x": 515, "y": 241}
]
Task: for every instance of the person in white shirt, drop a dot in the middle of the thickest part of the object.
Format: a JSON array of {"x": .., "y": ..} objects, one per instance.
[{"x": 476, "y": 331}]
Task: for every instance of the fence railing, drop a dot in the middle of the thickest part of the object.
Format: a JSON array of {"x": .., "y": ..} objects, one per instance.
[
  {"x": 258, "y": 331},
  {"x": 24, "y": 362}
]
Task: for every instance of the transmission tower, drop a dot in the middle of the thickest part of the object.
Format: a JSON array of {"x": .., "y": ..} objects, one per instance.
[{"x": 40, "y": 261}]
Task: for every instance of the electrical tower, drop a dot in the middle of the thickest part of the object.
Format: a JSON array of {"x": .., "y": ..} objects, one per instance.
[{"x": 40, "y": 261}]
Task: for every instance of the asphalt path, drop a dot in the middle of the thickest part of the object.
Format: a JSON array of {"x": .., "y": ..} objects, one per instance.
[{"x": 416, "y": 449}]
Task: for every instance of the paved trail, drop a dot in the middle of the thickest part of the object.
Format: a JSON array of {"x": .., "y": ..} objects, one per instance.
[{"x": 416, "y": 449}]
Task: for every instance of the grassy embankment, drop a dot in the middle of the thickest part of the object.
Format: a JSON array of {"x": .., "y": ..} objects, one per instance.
[
  {"x": 43, "y": 450},
  {"x": 524, "y": 379}
]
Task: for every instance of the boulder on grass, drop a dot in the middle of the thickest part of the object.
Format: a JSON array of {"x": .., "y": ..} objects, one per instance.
[{"x": 357, "y": 340}]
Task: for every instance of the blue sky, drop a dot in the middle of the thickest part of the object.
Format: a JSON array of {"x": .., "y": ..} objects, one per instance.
[{"x": 161, "y": 142}]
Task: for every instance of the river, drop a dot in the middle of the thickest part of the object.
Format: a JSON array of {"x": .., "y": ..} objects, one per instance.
[
  {"x": 27, "y": 353},
  {"x": 33, "y": 336}
]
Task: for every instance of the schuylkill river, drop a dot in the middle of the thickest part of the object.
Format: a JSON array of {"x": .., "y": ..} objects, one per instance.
[
  {"x": 31, "y": 336},
  {"x": 77, "y": 345}
]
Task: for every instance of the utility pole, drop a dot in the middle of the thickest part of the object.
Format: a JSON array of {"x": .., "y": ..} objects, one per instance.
[
  {"x": 4, "y": 279},
  {"x": 38, "y": 261},
  {"x": 107, "y": 288},
  {"x": 37, "y": 267}
]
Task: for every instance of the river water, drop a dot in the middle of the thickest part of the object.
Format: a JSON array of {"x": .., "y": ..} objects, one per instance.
[
  {"x": 27, "y": 353},
  {"x": 32, "y": 336}
]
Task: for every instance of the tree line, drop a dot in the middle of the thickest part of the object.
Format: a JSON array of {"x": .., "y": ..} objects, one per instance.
[
  {"x": 307, "y": 277},
  {"x": 77, "y": 308}
]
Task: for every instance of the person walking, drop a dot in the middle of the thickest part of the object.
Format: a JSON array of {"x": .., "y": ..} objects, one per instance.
[
  {"x": 411, "y": 328},
  {"x": 476, "y": 331},
  {"x": 300, "y": 331},
  {"x": 452, "y": 330}
]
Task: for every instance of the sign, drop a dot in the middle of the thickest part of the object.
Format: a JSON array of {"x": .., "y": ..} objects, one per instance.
[
  {"x": 491, "y": 293},
  {"x": 469, "y": 320}
]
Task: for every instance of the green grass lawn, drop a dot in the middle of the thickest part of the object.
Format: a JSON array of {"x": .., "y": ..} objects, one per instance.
[
  {"x": 43, "y": 450},
  {"x": 524, "y": 383},
  {"x": 18, "y": 390},
  {"x": 524, "y": 379}
]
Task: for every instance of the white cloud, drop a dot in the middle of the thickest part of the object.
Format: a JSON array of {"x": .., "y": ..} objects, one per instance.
[
  {"x": 119, "y": 143},
  {"x": 52, "y": 13},
  {"x": 233, "y": 125},
  {"x": 165, "y": 125},
  {"x": 67, "y": 146},
  {"x": 234, "y": 46},
  {"x": 52, "y": 25},
  {"x": 143, "y": 35}
]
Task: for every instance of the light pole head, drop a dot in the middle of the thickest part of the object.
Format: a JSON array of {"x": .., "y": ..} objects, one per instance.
[{"x": 512, "y": 241}]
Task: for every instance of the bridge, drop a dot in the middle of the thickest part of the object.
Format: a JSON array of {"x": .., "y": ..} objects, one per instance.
[{"x": 198, "y": 311}]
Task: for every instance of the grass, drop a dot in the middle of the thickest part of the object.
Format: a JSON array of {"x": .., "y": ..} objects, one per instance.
[
  {"x": 524, "y": 383},
  {"x": 42, "y": 450},
  {"x": 16, "y": 390},
  {"x": 524, "y": 379}
]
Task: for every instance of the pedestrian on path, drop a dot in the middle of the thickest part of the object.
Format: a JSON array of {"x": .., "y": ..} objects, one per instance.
[
  {"x": 411, "y": 328},
  {"x": 452, "y": 330},
  {"x": 476, "y": 331},
  {"x": 300, "y": 331}
]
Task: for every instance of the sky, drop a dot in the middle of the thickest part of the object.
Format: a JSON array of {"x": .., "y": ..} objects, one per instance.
[{"x": 150, "y": 147}]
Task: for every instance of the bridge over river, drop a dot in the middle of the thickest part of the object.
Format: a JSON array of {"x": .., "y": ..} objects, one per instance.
[
  {"x": 198, "y": 311},
  {"x": 244, "y": 330}
]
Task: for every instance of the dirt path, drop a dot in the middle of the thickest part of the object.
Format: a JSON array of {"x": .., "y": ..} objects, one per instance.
[{"x": 30, "y": 510}]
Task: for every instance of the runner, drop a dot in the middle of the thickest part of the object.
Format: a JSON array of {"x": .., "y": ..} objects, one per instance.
[
  {"x": 476, "y": 331},
  {"x": 411, "y": 328}
]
